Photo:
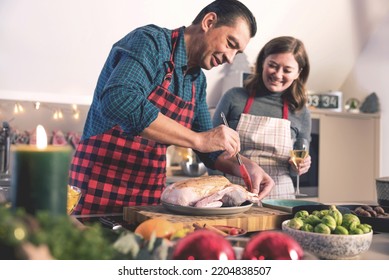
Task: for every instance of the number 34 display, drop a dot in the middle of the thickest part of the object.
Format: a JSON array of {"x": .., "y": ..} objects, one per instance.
[{"x": 327, "y": 100}]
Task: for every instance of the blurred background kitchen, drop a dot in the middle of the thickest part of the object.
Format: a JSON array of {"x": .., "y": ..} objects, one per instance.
[{"x": 51, "y": 54}]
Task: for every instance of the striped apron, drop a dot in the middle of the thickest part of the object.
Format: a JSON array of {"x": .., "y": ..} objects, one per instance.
[
  {"x": 267, "y": 141},
  {"x": 115, "y": 170}
]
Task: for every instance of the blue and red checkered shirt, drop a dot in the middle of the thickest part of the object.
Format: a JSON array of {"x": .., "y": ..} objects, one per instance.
[{"x": 135, "y": 66}]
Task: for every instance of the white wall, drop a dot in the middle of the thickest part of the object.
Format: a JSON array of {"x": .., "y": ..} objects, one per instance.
[
  {"x": 370, "y": 74},
  {"x": 54, "y": 49}
]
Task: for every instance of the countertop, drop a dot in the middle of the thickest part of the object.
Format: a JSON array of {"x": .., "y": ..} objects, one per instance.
[
  {"x": 175, "y": 174},
  {"x": 379, "y": 249}
]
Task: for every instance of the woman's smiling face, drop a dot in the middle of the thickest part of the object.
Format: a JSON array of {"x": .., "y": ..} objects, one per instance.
[{"x": 279, "y": 71}]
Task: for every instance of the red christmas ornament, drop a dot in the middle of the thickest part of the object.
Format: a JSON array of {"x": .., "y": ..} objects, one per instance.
[
  {"x": 272, "y": 245},
  {"x": 203, "y": 245}
]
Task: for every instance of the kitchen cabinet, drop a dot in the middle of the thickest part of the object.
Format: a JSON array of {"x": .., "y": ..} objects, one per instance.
[{"x": 349, "y": 146}]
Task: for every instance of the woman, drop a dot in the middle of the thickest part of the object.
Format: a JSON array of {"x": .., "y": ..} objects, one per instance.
[{"x": 269, "y": 112}]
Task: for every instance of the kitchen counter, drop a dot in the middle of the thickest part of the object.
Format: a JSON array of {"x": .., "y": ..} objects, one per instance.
[
  {"x": 379, "y": 249},
  {"x": 175, "y": 174}
]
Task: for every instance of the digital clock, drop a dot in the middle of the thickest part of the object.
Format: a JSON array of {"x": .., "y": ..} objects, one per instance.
[{"x": 331, "y": 100}]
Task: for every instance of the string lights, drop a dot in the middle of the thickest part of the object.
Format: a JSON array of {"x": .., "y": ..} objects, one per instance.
[
  {"x": 58, "y": 112},
  {"x": 18, "y": 108}
]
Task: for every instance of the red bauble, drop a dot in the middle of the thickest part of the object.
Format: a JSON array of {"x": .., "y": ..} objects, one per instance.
[
  {"x": 272, "y": 245},
  {"x": 203, "y": 245}
]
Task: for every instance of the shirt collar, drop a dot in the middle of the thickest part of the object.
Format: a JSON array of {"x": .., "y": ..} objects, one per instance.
[{"x": 181, "y": 57}]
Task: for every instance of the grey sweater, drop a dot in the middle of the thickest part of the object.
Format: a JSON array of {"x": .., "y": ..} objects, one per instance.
[{"x": 266, "y": 104}]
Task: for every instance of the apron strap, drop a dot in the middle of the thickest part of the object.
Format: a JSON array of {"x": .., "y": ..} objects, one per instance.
[
  {"x": 168, "y": 77},
  {"x": 169, "y": 73},
  {"x": 250, "y": 100},
  {"x": 285, "y": 112}
]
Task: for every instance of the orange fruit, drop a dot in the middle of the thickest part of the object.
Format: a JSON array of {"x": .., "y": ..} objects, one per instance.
[{"x": 162, "y": 228}]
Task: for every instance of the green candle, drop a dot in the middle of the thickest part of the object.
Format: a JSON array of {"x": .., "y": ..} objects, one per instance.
[{"x": 39, "y": 177}]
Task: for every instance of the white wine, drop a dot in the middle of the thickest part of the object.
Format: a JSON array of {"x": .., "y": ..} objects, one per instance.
[{"x": 298, "y": 156}]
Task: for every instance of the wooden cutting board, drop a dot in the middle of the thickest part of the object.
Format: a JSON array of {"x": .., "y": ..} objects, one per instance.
[{"x": 254, "y": 219}]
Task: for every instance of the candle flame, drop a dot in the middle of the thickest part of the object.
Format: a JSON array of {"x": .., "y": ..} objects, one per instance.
[{"x": 41, "y": 137}]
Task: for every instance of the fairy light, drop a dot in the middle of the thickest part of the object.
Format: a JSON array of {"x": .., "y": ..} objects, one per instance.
[
  {"x": 18, "y": 108},
  {"x": 58, "y": 113},
  {"x": 75, "y": 112},
  {"x": 37, "y": 105},
  {"x": 76, "y": 115}
]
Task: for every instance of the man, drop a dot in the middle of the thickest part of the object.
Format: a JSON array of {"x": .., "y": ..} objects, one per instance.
[{"x": 150, "y": 94}]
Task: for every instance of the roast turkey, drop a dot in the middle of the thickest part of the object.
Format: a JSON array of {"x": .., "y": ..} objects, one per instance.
[{"x": 207, "y": 191}]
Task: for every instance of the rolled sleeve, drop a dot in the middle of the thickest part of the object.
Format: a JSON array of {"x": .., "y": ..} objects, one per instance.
[{"x": 132, "y": 71}]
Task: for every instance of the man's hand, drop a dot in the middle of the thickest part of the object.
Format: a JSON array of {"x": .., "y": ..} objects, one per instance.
[{"x": 220, "y": 138}]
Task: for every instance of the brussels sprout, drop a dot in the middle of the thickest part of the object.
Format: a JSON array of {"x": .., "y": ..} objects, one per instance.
[
  {"x": 324, "y": 212},
  {"x": 356, "y": 231},
  {"x": 316, "y": 213},
  {"x": 312, "y": 220},
  {"x": 322, "y": 228},
  {"x": 334, "y": 212},
  {"x": 329, "y": 221},
  {"x": 320, "y": 213},
  {"x": 369, "y": 226},
  {"x": 350, "y": 220},
  {"x": 353, "y": 225},
  {"x": 296, "y": 223},
  {"x": 340, "y": 230},
  {"x": 301, "y": 214},
  {"x": 364, "y": 228},
  {"x": 307, "y": 227}
]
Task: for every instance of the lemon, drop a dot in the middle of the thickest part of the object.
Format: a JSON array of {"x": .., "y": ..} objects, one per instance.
[{"x": 180, "y": 233}]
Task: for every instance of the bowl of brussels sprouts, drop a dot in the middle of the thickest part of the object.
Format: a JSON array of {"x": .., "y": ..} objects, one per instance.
[{"x": 329, "y": 234}]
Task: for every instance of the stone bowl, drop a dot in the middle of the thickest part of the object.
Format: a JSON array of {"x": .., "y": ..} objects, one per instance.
[
  {"x": 382, "y": 187},
  {"x": 331, "y": 246}
]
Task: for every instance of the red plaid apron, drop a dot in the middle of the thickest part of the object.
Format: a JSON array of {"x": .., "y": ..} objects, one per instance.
[
  {"x": 268, "y": 142},
  {"x": 116, "y": 170}
]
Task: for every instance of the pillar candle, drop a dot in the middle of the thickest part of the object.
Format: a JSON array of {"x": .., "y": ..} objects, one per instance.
[{"x": 39, "y": 176}]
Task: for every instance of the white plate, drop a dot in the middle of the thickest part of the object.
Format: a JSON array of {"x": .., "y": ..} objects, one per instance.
[{"x": 205, "y": 211}]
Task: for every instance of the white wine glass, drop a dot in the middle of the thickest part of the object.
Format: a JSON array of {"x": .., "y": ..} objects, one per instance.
[
  {"x": 74, "y": 195},
  {"x": 298, "y": 154}
]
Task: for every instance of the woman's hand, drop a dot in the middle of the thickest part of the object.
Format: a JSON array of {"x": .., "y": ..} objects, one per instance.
[{"x": 303, "y": 166}]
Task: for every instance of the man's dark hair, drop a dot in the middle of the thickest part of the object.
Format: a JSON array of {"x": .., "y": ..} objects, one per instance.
[{"x": 227, "y": 12}]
